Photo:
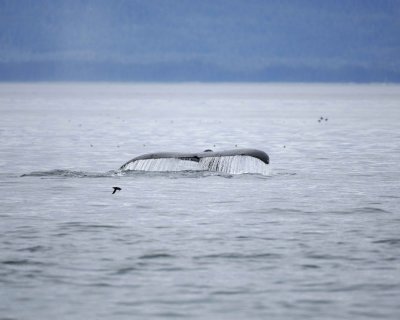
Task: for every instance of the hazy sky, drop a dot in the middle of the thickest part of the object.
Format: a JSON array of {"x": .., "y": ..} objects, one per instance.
[{"x": 193, "y": 40}]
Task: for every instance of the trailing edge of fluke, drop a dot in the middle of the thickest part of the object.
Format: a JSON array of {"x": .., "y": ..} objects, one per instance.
[{"x": 258, "y": 154}]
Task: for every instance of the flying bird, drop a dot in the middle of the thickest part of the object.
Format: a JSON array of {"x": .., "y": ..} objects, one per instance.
[{"x": 116, "y": 189}]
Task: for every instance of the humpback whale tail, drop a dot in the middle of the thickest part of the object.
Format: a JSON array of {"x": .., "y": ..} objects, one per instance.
[{"x": 229, "y": 161}]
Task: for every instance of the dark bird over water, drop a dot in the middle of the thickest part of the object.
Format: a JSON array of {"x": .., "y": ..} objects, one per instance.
[{"x": 116, "y": 189}]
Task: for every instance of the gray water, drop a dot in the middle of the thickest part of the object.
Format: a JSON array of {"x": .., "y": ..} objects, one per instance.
[{"x": 318, "y": 237}]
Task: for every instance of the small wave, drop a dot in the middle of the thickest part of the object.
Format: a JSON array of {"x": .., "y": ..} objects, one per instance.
[
  {"x": 21, "y": 262},
  {"x": 229, "y": 292},
  {"x": 371, "y": 210},
  {"x": 34, "y": 248},
  {"x": 99, "y": 284},
  {"x": 79, "y": 226},
  {"x": 239, "y": 256},
  {"x": 125, "y": 270},
  {"x": 316, "y": 256},
  {"x": 362, "y": 210},
  {"x": 365, "y": 287},
  {"x": 310, "y": 266},
  {"x": 315, "y": 301},
  {"x": 156, "y": 256},
  {"x": 393, "y": 241}
]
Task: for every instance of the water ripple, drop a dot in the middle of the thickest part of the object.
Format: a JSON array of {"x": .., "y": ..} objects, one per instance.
[
  {"x": 35, "y": 248},
  {"x": 370, "y": 210},
  {"x": 392, "y": 241},
  {"x": 156, "y": 256},
  {"x": 22, "y": 262},
  {"x": 84, "y": 226},
  {"x": 238, "y": 256}
]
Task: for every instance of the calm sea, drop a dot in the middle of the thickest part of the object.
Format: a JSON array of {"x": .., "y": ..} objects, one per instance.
[{"x": 316, "y": 238}]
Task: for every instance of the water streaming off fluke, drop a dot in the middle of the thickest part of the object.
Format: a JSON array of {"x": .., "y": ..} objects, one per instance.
[{"x": 226, "y": 164}]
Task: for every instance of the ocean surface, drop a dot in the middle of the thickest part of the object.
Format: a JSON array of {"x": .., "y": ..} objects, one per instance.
[{"x": 316, "y": 237}]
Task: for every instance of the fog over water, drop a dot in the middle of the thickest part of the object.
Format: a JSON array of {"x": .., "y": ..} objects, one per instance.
[
  {"x": 208, "y": 40},
  {"x": 314, "y": 237}
]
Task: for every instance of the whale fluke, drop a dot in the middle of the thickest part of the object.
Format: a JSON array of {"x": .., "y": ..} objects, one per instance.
[{"x": 208, "y": 159}]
